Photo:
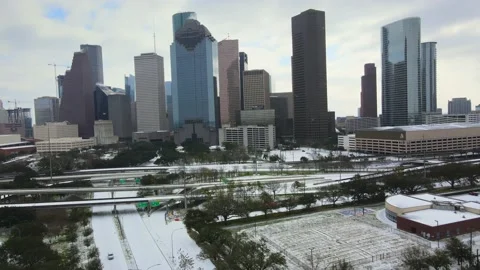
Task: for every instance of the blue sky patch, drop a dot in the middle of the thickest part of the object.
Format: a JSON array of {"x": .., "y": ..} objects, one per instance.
[
  {"x": 285, "y": 61},
  {"x": 112, "y": 4},
  {"x": 56, "y": 13},
  {"x": 332, "y": 52}
]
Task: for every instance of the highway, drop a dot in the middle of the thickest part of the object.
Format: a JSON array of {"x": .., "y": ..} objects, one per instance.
[
  {"x": 93, "y": 177},
  {"x": 137, "y": 188},
  {"x": 85, "y": 203}
]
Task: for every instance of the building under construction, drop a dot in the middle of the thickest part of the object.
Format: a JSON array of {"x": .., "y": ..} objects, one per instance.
[{"x": 19, "y": 121}]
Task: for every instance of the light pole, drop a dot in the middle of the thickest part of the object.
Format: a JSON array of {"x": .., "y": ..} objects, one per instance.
[
  {"x": 50, "y": 152},
  {"x": 171, "y": 241},
  {"x": 311, "y": 257},
  {"x": 438, "y": 236}
]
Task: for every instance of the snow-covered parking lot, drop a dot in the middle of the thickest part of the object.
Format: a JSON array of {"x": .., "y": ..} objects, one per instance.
[{"x": 333, "y": 237}]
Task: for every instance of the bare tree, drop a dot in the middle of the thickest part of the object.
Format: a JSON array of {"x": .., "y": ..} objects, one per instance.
[
  {"x": 273, "y": 187},
  {"x": 185, "y": 262}
]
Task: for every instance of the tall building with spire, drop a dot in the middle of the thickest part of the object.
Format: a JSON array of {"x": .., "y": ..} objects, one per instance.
[{"x": 150, "y": 93}]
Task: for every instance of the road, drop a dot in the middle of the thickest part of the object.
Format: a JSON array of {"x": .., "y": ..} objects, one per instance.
[{"x": 106, "y": 237}]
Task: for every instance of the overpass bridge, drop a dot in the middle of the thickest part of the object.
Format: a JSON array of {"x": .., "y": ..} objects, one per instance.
[
  {"x": 97, "y": 202},
  {"x": 72, "y": 190}
]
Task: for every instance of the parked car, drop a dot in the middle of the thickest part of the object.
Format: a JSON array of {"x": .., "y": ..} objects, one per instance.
[
  {"x": 473, "y": 193},
  {"x": 110, "y": 256}
]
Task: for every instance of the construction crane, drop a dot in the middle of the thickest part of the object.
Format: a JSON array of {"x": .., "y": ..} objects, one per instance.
[{"x": 55, "y": 74}]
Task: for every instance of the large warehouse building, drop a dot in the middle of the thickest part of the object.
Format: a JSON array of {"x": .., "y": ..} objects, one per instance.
[
  {"x": 434, "y": 217},
  {"x": 416, "y": 139}
]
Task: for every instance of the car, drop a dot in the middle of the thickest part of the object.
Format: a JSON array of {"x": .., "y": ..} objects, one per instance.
[
  {"x": 110, "y": 256},
  {"x": 473, "y": 193}
]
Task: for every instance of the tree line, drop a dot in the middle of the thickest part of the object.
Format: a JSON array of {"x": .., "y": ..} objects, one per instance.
[{"x": 454, "y": 252}]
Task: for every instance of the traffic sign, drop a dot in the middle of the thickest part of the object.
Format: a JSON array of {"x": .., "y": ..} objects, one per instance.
[
  {"x": 154, "y": 203},
  {"x": 137, "y": 180},
  {"x": 142, "y": 205},
  {"x": 122, "y": 181}
]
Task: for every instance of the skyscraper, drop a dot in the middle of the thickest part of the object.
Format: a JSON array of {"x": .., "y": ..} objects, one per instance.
[
  {"x": 94, "y": 53},
  {"x": 130, "y": 87},
  {"x": 46, "y": 110},
  {"x": 114, "y": 106},
  {"x": 309, "y": 77},
  {"x": 178, "y": 20},
  {"x": 60, "y": 79},
  {"x": 428, "y": 56},
  {"x": 194, "y": 56},
  {"x": 368, "y": 107},
  {"x": 459, "y": 106},
  {"x": 169, "y": 102},
  {"x": 243, "y": 67},
  {"x": 77, "y": 98},
  {"x": 150, "y": 88},
  {"x": 229, "y": 80},
  {"x": 256, "y": 89},
  {"x": 401, "y": 88}
]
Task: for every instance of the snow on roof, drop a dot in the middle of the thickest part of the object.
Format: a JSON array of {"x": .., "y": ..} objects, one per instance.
[
  {"x": 467, "y": 198},
  {"x": 428, "y": 127},
  {"x": 17, "y": 147},
  {"x": 432, "y": 198},
  {"x": 473, "y": 205},
  {"x": 402, "y": 201},
  {"x": 430, "y": 217}
]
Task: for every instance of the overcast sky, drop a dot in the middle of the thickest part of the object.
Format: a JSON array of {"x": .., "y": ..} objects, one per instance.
[{"x": 34, "y": 33}]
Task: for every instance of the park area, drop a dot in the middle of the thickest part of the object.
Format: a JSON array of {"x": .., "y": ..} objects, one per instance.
[{"x": 353, "y": 235}]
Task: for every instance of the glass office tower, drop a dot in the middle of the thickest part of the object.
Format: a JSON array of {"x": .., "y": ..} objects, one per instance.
[
  {"x": 194, "y": 55},
  {"x": 401, "y": 88}
]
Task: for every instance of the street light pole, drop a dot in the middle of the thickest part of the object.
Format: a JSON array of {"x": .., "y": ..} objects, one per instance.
[
  {"x": 50, "y": 152},
  {"x": 438, "y": 236},
  {"x": 153, "y": 266},
  {"x": 311, "y": 257}
]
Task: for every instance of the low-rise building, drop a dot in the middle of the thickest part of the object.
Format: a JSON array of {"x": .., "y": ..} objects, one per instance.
[
  {"x": 347, "y": 142},
  {"x": 432, "y": 216},
  {"x": 103, "y": 130},
  {"x": 63, "y": 144},
  {"x": 153, "y": 136},
  {"x": 10, "y": 138},
  {"x": 254, "y": 137},
  {"x": 55, "y": 130},
  {"x": 418, "y": 139}
]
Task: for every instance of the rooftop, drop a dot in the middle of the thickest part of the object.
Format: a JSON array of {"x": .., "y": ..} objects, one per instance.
[
  {"x": 430, "y": 217},
  {"x": 402, "y": 201},
  {"x": 467, "y": 198},
  {"x": 435, "y": 198},
  {"x": 427, "y": 127},
  {"x": 472, "y": 205},
  {"x": 66, "y": 140}
]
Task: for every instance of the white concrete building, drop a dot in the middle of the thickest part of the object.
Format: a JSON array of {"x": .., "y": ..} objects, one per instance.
[
  {"x": 63, "y": 144},
  {"x": 55, "y": 130},
  {"x": 347, "y": 142},
  {"x": 259, "y": 137},
  {"x": 103, "y": 130},
  {"x": 150, "y": 93},
  {"x": 10, "y": 138}
]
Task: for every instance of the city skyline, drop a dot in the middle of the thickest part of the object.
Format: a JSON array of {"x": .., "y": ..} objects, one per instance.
[{"x": 268, "y": 47}]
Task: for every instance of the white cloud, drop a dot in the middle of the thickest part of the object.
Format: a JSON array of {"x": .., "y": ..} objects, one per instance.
[{"x": 29, "y": 40}]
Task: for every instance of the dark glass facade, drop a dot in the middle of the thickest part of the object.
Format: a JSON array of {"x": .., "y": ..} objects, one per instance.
[
  {"x": 368, "y": 99},
  {"x": 77, "y": 100},
  {"x": 94, "y": 53},
  {"x": 115, "y": 106},
  {"x": 309, "y": 77},
  {"x": 243, "y": 66},
  {"x": 401, "y": 88},
  {"x": 46, "y": 110}
]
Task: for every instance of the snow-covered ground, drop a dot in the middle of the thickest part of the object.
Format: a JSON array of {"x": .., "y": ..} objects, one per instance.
[
  {"x": 148, "y": 238},
  {"x": 164, "y": 233},
  {"x": 106, "y": 236},
  {"x": 310, "y": 153},
  {"x": 333, "y": 237}
]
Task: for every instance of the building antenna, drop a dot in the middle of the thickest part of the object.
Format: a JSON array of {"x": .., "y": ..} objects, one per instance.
[{"x": 154, "y": 39}]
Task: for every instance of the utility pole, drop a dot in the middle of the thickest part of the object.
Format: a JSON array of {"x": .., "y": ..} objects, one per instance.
[
  {"x": 424, "y": 157},
  {"x": 311, "y": 257}
]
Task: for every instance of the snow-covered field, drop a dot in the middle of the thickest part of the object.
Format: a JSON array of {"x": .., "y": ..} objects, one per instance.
[
  {"x": 333, "y": 237},
  {"x": 147, "y": 238}
]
